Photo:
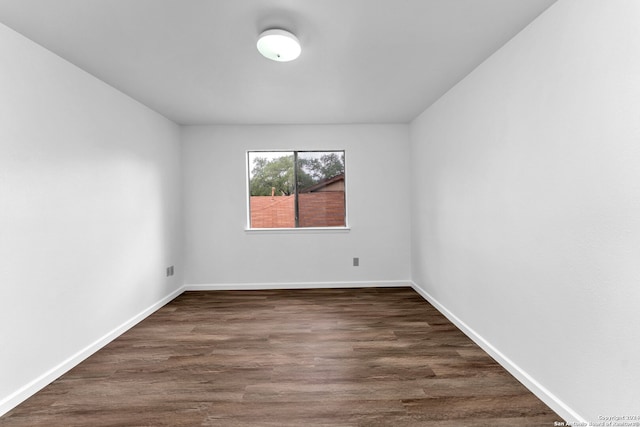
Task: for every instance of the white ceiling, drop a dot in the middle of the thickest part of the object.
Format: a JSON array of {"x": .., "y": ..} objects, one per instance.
[{"x": 195, "y": 61}]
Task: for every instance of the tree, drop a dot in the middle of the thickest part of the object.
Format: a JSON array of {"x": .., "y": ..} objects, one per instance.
[
  {"x": 278, "y": 173},
  {"x": 320, "y": 168},
  {"x": 274, "y": 174}
]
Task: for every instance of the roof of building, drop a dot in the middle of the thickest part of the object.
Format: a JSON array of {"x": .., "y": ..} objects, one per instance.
[{"x": 322, "y": 184}]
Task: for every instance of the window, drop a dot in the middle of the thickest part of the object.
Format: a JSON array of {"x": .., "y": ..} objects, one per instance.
[{"x": 294, "y": 189}]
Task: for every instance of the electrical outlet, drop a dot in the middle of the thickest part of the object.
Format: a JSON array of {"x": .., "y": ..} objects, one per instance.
[
  {"x": 356, "y": 262},
  {"x": 170, "y": 271}
]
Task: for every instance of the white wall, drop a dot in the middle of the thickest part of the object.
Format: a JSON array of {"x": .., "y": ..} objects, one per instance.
[
  {"x": 89, "y": 214},
  {"x": 218, "y": 250},
  {"x": 526, "y": 204}
]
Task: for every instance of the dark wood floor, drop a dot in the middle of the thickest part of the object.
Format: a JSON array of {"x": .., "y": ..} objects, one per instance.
[{"x": 325, "y": 357}]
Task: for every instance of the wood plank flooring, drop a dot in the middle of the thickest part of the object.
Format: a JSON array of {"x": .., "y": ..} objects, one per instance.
[{"x": 321, "y": 357}]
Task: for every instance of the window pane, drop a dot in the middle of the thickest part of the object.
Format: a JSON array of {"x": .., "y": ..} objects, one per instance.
[
  {"x": 321, "y": 188},
  {"x": 289, "y": 189},
  {"x": 271, "y": 189}
]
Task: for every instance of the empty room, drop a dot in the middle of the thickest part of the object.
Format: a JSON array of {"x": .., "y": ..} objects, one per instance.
[{"x": 323, "y": 213}]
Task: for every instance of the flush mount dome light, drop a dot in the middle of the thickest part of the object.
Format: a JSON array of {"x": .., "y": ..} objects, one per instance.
[{"x": 279, "y": 45}]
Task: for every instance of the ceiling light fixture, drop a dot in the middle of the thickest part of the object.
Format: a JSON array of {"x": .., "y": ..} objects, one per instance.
[{"x": 279, "y": 45}]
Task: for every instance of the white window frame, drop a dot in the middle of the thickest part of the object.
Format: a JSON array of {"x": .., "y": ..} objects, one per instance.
[{"x": 295, "y": 230}]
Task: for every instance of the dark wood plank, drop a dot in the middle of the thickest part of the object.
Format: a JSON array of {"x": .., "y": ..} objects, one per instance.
[{"x": 334, "y": 357}]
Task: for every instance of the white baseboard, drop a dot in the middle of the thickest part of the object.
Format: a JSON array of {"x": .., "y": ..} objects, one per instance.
[
  {"x": 296, "y": 285},
  {"x": 527, "y": 380},
  {"x": 29, "y": 389}
]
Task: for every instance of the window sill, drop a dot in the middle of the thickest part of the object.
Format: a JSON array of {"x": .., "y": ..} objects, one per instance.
[{"x": 300, "y": 230}]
